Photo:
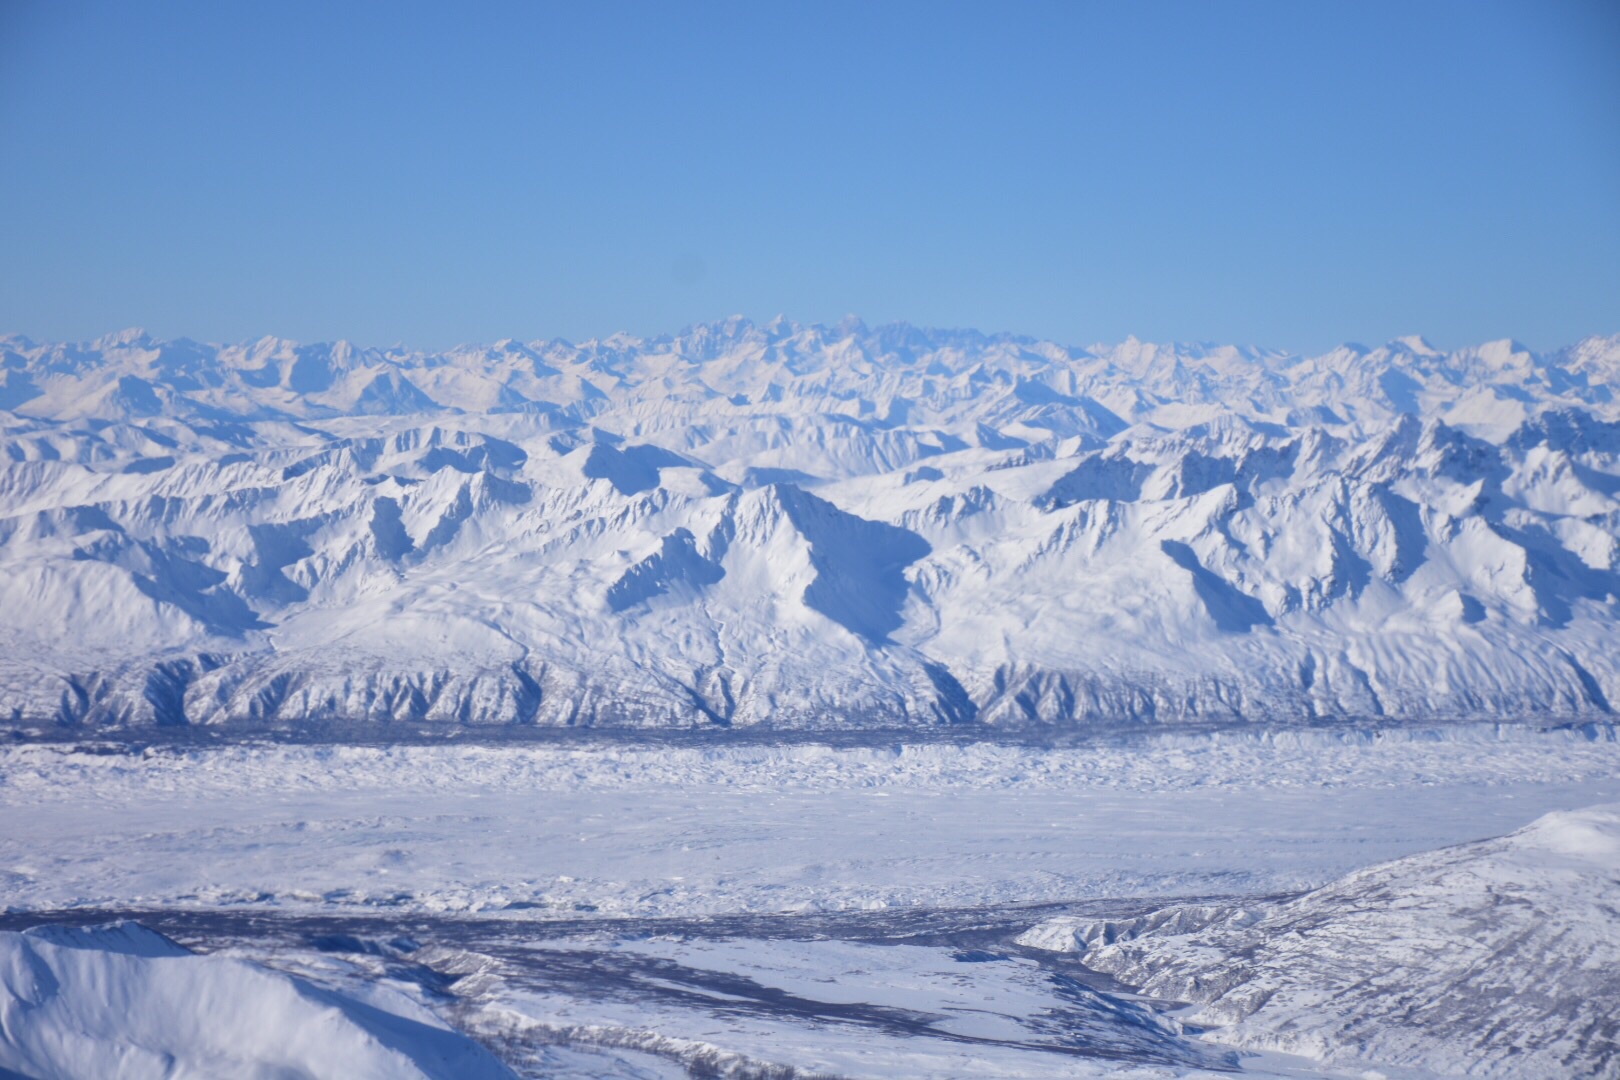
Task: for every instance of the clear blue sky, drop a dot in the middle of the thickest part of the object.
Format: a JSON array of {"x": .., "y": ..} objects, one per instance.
[{"x": 1290, "y": 174}]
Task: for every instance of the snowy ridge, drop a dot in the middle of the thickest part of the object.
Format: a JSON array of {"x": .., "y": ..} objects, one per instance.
[
  {"x": 122, "y": 1000},
  {"x": 1495, "y": 958},
  {"x": 805, "y": 526}
]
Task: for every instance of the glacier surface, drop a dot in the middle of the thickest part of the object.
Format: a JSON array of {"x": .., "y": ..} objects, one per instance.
[{"x": 804, "y": 526}]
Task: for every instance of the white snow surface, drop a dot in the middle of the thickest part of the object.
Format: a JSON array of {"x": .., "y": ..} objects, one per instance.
[
  {"x": 656, "y": 831},
  {"x": 1495, "y": 958},
  {"x": 634, "y": 849},
  {"x": 122, "y": 1001},
  {"x": 1012, "y": 1021},
  {"x": 804, "y": 526}
]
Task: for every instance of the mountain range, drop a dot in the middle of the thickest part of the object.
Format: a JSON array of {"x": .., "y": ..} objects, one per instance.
[{"x": 805, "y": 526}]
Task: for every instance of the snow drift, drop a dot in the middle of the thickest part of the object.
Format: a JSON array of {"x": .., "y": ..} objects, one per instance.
[
  {"x": 121, "y": 1000},
  {"x": 804, "y": 526}
]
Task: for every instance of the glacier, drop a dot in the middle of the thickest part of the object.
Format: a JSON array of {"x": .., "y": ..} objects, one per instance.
[{"x": 797, "y": 526}]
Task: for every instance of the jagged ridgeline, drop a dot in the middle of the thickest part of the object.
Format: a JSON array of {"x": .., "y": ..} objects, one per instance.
[{"x": 805, "y": 526}]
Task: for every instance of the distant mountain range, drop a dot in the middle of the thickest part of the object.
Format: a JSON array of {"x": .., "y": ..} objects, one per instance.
[{"x": 805, "y": 526}]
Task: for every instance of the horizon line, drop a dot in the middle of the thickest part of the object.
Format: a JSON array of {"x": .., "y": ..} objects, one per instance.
[{"x": 850, "y": 324}]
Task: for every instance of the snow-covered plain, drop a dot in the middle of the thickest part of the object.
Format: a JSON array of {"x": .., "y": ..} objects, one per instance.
[
  {"x": 659, "y": 830},
  {"x": 646, "y": 910},
  {"x": 804, "y": 526}
]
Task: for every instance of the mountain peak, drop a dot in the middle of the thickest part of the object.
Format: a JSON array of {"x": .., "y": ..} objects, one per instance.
[
  {"x": 132, "y": 335},
  {"x": 859, "y": 525},
  {"x": 1416, "y": 343}
]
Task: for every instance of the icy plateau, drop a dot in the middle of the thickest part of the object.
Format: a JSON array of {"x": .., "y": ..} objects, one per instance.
[{"x": 805, "y": 526}]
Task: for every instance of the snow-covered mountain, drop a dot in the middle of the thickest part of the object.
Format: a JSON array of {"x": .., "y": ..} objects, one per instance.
[
  {"x": 1496, "y": 958},
  {"x": 805, "y": 525}
]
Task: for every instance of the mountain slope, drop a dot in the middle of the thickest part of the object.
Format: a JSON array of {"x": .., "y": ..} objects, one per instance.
[
  {"x": 795, "y": 525},
  {"x": 122, "y": 1000},
  {"x": 1495, "y": 958}
]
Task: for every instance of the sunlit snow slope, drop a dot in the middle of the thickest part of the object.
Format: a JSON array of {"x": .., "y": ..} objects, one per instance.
[
  {"x": 795, "y": 525},
  {"x": 121, "y": 1000},
  {"x": 1495, "y": 958}
]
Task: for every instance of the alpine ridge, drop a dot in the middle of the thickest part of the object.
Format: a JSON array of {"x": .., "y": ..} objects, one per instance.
[{"x": 805, "y": 526}]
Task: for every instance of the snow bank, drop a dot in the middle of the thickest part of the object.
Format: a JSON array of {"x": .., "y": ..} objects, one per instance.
[{"x": 120, "y": 1000}]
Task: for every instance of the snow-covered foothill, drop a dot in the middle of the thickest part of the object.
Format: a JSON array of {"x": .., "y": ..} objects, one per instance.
[
  {"x": 120, "y": 1000},
  {"x": 1496, "y": 958}
]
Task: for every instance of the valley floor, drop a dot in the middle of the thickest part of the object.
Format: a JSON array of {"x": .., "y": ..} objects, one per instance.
[{"x": 653, "y": 909}]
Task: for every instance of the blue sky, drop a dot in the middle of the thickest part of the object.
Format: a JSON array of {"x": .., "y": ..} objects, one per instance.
[{"x": 1288, "y": 174}]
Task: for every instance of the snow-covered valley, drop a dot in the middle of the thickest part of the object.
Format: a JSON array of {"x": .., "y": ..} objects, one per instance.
[
  {"x": 805, "y": 908},
  {"x": 537, "y": 832}
]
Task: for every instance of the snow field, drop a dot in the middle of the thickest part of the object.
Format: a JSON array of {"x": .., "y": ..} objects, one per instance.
[{"x": 554, "y": 833}]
